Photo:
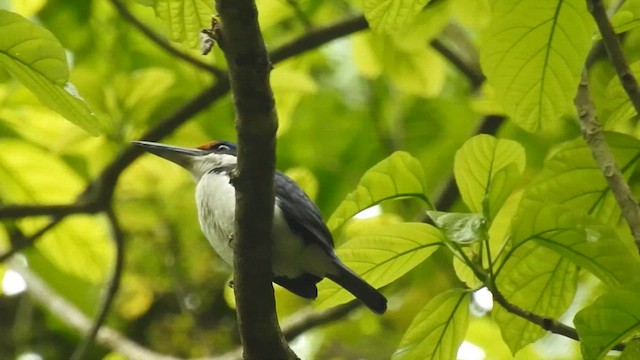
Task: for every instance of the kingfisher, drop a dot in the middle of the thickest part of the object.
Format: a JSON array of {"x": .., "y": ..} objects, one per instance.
[{"x": 302, "y": 244}]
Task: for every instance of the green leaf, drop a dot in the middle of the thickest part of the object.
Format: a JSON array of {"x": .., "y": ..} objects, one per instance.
[
  {"x": 533, "y": 53},
  {"x": 579, "y": 238},
  {"x": 381, "y": 256},
  {"x": 34, "y": 57},
  {"x": 562, "y": 180},
  {"x": 438, "y": 329},
  {"x": 536, "y": 279},
  {"x": 462, "y": 228},
  {"x": 617, "y": 108},
  {"x": 612, "y": 318},
  {"x": 387, "y": 16},
  {"x": 184, "y": 19},
  {"x": 631, "y": 351},
  {"x": 486, "y": 171},
  {"x": 398, "y": 176}
]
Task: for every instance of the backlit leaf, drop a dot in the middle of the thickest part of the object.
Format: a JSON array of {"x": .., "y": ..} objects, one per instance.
[
  {"x": 617, "y": 109},
  {"x": 438, "y": 329},
  {"x": 486, "y": 171},
  {"x": 184, "y": 19},
  {"x": 387, "y": 16},
  {"x": 579, "y": 238},
  {"x": 34, "y": 57},
  {"x": 533, "y": 53},
  {"x": 400, "y": 175},
  {"x": 536, "y": 279},
  {"x": 610, "y": 319},
  {"x": 381, "y": 256},
  {"x": 562, "y": 180}
]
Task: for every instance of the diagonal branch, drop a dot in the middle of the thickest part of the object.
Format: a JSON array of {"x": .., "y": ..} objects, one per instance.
[
  {"x": 164, "y": 44},
  {"x": 112, "y": 288},
  {"x": 614, "y": 49},
  {"x": 72, "y": 316},
  {"x": 594, "y": 137}
]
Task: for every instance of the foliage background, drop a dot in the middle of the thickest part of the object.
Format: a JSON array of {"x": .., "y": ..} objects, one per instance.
[{"x": 414, "y": 84}]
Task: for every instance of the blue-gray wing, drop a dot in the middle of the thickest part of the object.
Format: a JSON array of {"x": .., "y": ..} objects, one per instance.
[{"x": 301, "y": 214}]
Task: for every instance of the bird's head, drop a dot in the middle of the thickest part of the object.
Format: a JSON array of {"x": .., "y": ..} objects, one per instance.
[{"x": 199, "y": 161}]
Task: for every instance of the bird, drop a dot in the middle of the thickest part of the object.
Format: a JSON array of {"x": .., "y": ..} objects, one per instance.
[{"x": 303, "y": 247}]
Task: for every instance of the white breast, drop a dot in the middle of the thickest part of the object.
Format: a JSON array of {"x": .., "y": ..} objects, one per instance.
[
  {"x": 215, "y": 199},
  {"x": 216, "y": 202}
]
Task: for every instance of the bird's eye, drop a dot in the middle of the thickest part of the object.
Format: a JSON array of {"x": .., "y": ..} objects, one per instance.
[{"x": 222, "y": 147}]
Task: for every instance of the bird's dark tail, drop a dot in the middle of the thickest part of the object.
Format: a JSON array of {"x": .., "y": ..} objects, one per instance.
[{"x": 366, "y": 293}]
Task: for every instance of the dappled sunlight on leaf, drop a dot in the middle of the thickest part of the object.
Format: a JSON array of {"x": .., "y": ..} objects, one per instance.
[
  {"x": 532, "y": 54},
  {"x": 438, "y": 329},
  {"x": 400, "y": 175},
  {"x": 381, "y": 256},
  {"x": 535, "y": 279}
]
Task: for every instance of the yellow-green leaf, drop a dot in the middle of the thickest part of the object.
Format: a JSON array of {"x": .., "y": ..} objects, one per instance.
[
  {"x": 562, "y": 180},
  {"x": 533, "y": 52},
  {"x": 536, "y": 279},
  {"x": 34, "y": 57},
  {"x": 400, "y": 175},
  {"x": 617, "y": 109},
  {"x": 387, "y": 16},
  {"x": 438, "y": 329},
  {"x": 184, "y": 19},
  {"x": 609, "y": 320},
  {"x": 380, "y": 256},
  {"x": 486, "y": 171},
  {"x": 578, "y": 238}
]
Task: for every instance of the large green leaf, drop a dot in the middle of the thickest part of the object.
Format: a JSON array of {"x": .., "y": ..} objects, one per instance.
[
  {"x": 438, "y": 329},
  {"x": 617, "y": 109},
  {"x": 486, "y": 171},
  {"x": 381, "y": 255},
  {"x": 609, "y": 320},
  {"x": 400, "y": 175},
  {"x": 579, "y": 238},
  {"x": 535, "y": 279},
  {"x": 391, "y": 15},
  {"x": 184, "y": 19},
  {"x": 533, "y": 53},
  {"x": 563, "y": 178},
  {"x": 35, "y": 57},
  {"x": 79, "y": 246}
]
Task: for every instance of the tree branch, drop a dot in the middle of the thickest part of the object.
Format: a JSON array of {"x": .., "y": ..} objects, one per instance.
[
  {"x": 469, "y": 68},
  {"x": 73, "y": 317},
  {"x": 112, "y": 288},
  {"x": 318, "y": 37},
  {"x": 240, "y": 39},
  {"x": 164, "y": 44},
  {"x": 24, "y": 242},
  {"x": 593, "y": 136},
  {"x": 614, "y": 49},
  {"x": 21, "y": 211}
]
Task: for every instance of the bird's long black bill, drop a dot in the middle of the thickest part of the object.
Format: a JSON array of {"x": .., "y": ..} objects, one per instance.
[{"x": 177, "y": 154}]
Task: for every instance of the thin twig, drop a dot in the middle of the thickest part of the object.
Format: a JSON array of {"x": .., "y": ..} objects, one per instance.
[
  {"x": 22, "y": 211},
  {"x": 594, "y": 137},
  {"x": 318, "y": 37},
  {"x": 112, "y": 288},
  {"x": 470, "y": 69},
  {"x": 614, "y": 49},
  {"x": 28, "y": 241},
  {"x": 164, "y": 44}
]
